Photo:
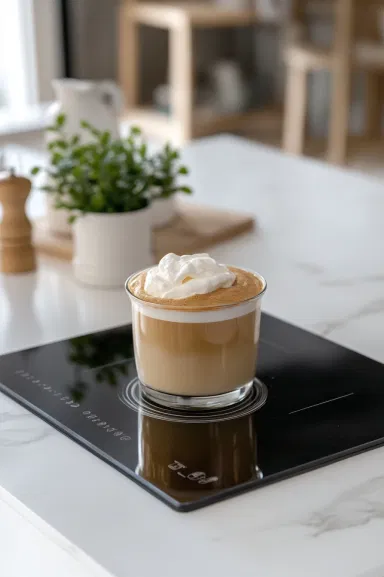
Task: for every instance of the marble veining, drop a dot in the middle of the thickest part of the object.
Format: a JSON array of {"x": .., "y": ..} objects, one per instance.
[
  {"x": 353, "y": 281},
  {"x": 310, "y": 268},
  {"x": 352, "y": 508},
  {"x": 21, "y": 429},
  {"x": 326, "y": 328}
]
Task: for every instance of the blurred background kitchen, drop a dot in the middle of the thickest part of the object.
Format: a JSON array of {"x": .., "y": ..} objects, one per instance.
[{"x": 305, "y": 75}]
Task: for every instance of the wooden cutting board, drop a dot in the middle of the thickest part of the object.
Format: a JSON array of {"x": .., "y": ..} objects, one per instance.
[{"x": 195, "y": 229}]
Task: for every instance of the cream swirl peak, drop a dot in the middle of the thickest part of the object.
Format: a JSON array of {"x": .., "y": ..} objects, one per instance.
[{"x": 184, "y": 276}]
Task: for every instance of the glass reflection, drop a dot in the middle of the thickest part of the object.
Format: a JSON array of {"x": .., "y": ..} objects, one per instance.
[
  {"x": 185, "y": 458},
  {"x": 105, "y": 354}
]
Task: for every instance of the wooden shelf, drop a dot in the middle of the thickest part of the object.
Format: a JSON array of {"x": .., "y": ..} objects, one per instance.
[
  {"x": 364, "y": 153},
  {"x": 308, "y": 57},
  {"x": 180, "y": 19},
  {"x": 320, "y": 8},
  {"x": 266, "y": 118},
  {"x": 369, "y": 55},
  {"x": 198, "y": 14},
  {"x": 152, "y": 122},
  {"x": 204, "y": 122}
]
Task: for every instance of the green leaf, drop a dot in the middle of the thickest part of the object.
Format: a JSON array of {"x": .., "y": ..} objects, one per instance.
[
  {"x": 183, "y": 170},
  {"x": 97, "y": 202},
  {"x": 60, "y": 120},
  {"x": 75, "y": 140},
  {"x": 84, "y": 124},
  {"x": 135, "y": 131},
  {"x": 185, "y": 189},
  {"x": 56, "y": 158},
  {"x": 105, "y": 138},
  {"x": 77, "y": 172},
  {"x": 48, "y": 188},
  {"x": 35, "y": 170},
  {"x": 71, "y": 219},
  {"x": 62, "y": 144},
  {"x": 90, "y": 128}
]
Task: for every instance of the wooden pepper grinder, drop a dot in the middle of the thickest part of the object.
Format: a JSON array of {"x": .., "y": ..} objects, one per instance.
[{"x": 17, "y": 253}]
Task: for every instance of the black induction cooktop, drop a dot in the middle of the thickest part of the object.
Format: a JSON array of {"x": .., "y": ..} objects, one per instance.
[{"x": 324, "y": 403}]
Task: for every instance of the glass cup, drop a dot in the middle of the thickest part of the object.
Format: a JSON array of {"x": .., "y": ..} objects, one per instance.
[{"x": 203, "y": 359}]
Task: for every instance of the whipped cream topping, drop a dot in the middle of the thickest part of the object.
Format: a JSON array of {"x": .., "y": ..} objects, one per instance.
[{"x": 178, "y": 277}]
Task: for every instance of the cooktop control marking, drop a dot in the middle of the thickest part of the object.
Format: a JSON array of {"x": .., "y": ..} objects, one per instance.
[{"x": 322, "y": 403}]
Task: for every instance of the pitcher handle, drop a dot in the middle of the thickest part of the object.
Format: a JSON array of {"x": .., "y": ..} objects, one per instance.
[{"x": 111, "y": 95}]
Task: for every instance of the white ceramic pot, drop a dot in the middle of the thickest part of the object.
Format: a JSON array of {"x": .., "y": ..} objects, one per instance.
[
  {"x": 110, "y": 247},
  {"x": 163, "y": 211}
]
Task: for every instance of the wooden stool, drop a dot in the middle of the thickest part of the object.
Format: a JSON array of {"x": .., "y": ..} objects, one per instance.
[{"x": 302, "y": 58}]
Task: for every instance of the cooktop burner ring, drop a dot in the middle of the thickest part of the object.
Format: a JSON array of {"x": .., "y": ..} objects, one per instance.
[{"x": 132, "y": 396}]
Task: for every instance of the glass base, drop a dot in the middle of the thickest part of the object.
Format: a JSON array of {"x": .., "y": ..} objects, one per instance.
[{"x": 197, "y": 403}]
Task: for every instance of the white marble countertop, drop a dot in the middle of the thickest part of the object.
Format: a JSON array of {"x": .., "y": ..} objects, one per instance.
[
  {"x": 319, "y": 242},
  {"x": 32, "y": 548}
]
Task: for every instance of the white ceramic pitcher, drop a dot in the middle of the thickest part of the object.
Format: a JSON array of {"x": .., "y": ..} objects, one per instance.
[
  {"x": 100, "y": 104},
  {"x": 96, "y": 102}
]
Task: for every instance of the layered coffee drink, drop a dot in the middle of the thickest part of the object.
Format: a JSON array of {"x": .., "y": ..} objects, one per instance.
[{"x": 196, "y": 330}]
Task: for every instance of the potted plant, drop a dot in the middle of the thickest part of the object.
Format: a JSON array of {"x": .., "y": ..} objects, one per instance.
[
  {"x": 166, "y": 171},
  {"x": 105, "y": 184}
]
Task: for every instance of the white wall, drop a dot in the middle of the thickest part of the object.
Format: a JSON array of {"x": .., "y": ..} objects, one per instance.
[
  {"x": 47, "y": 40},
  {"x": 16, "y": 66}
]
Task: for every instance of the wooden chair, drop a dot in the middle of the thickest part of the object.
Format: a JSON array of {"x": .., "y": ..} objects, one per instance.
[{"x": 347, "y": 52}]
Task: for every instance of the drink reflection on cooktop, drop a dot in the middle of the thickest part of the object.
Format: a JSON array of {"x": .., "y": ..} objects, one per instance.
[
  {"x": 188, "y": 461},
  {"x": 324, "y": 403}
]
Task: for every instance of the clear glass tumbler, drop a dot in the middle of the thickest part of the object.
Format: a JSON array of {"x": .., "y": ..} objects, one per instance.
[{"x": 203, "y": 359}]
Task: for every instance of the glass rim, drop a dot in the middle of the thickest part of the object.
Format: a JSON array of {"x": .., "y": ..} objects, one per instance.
[{"x": 192, "y": 310}]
